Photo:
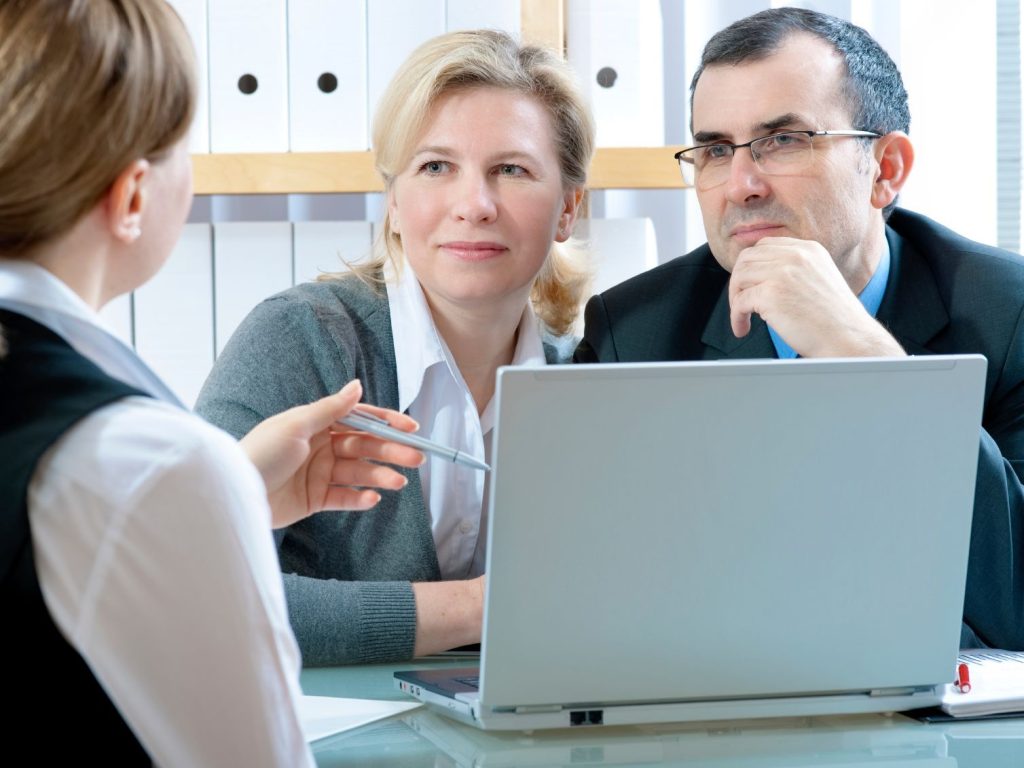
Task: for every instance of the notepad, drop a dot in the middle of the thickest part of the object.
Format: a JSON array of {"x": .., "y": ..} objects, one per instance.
[
  {"x": 997, "y": 684},
  {"x": 323, "y": 716}
]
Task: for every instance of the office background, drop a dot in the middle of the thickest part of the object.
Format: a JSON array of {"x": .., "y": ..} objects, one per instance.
[{"x": 282, "y": 77}]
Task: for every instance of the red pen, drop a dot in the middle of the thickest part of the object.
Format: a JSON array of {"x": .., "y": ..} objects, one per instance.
[{"x": 963, "y": 679}]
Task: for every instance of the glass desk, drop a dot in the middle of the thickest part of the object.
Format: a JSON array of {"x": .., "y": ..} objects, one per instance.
[{"x": 422, "y": 738}]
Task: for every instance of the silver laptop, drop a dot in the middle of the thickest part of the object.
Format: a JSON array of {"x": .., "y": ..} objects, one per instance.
[{"x": 705, "y": 541}]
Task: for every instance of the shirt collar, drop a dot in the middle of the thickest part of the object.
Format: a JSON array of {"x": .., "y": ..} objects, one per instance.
[
  {"x": 29, "y": 290},
  {"x": 870, "y": 297},
  {"x": 418, "y": 345}
]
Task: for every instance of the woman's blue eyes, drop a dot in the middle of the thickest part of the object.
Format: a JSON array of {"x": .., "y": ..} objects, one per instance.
[{"x": 437, "y": 167}]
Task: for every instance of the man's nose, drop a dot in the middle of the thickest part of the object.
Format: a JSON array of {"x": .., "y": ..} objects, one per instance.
[{"x": 746, "y": 180}]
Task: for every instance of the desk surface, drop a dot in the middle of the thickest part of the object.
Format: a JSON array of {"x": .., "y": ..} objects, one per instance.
[{"x": 422, "y": 738}]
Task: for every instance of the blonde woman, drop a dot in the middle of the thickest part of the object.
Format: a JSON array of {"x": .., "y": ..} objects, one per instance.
[
  {"x": 137, "y": 570},
  {"x": 483, "y": 146}
]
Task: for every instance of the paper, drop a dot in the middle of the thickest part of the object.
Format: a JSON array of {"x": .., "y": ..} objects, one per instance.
[
  {"x": 323, "y": 716},
  {"x": 997, "y": 684}
]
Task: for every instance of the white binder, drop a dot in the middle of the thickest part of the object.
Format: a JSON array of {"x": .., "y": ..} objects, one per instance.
[
  {"x": 327, "y": 246},
  {"x": 251, "y": 262},
  {"x": 174, "y": 315},
  {"x": 621, "y": 248},
  {"x": 117, "y": 314},
  {"x": 615, "y": 46},
  {"x": 193, "y": 13},
  {"x": 395, "y": 29},
  {"x": 248, "y": 76},
  {"x": 495, "y": 14},
  {"x": 327, "y": 75}
]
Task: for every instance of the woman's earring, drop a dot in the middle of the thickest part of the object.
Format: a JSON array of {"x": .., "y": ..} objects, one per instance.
[{"x": 134, "y": 233}]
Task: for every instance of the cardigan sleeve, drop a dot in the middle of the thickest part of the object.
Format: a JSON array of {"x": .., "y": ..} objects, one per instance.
[{"x": 292, "y": 350}]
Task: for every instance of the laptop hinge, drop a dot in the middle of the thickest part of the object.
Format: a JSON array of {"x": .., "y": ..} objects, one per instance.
[{"x": 537, "y": 709}]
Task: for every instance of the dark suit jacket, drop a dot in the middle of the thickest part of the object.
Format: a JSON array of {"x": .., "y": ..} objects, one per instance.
[{"x": 946, "y": 295}]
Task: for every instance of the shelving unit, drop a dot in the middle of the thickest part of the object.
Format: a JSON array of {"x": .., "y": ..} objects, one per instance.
[
  {"x": 542, "y": 22},
  {"x": 337, "y": 172}
]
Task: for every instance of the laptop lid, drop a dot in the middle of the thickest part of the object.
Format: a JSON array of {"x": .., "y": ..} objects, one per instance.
[{"x": 728, "y": 530}]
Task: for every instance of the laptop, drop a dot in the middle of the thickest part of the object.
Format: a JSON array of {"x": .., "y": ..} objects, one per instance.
[{"x": 720, "y": 540}]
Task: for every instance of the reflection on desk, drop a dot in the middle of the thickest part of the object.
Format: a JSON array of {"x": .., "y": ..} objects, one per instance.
[{"x": 423, "y": 738}]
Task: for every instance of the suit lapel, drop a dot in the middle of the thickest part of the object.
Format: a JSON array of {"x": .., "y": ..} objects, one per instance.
[
  {"x": 719, "y": 338},
  {"x": 912, "y": 308}
]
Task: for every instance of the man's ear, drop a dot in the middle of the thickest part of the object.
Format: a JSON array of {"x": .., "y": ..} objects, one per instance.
[
  {"x": 895, "y": 156},
  {"x": 125, "y": 201},
  {"x": 571, "y": 206}
]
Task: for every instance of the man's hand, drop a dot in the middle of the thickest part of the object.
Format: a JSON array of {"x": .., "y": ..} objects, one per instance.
[
  {"x": 795, "y": 286},
  {"x": 309, "y": 462}
]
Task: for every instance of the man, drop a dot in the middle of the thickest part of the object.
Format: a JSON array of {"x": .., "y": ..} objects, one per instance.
[{"x": 800, "y": 121}]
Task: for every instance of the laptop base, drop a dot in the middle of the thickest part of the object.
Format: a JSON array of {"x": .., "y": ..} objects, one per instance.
[{"x": 439, "y": 691}]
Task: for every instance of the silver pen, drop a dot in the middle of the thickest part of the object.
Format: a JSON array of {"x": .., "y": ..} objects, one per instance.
[{"x": 367, "y": 422}]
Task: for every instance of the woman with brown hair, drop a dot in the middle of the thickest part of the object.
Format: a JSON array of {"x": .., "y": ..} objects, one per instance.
[{"x": 137, "y": 571}]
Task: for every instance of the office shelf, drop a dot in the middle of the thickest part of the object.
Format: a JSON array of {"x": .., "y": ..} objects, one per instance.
[{"x": 336, "y": 172}]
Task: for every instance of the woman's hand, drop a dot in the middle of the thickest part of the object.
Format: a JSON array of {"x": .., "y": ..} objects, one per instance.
[{"x": 309, "y": 462}]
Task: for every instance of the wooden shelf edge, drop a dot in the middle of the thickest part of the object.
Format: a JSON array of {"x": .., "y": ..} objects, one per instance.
[{"x": 304, "y": 173}]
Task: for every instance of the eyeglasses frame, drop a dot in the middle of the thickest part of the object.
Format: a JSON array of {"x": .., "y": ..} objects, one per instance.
[{"x": 682, "y": 157}]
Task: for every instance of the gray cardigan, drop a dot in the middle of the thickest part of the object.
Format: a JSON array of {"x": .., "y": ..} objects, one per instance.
[{"x": 347, "y": 574}]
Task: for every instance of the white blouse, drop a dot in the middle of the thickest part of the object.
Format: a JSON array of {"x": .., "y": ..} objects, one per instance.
[
  {"x": 433, "y": 391},
  {"x": 151, "y": 534}
]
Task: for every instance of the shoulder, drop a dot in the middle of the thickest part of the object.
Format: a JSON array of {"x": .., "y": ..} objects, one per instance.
[
  {"x": 689, "y": 284},
  {"x": 125, "y": 446},
  {"x": 696, "y": 268},
  {"x": 947, "y": 250},
  {"x": 300, "y": 345},
  {"x": 342, "y": 303},
  {"x": 113, "y": 464},
  {"x": 302, "y": 338}
]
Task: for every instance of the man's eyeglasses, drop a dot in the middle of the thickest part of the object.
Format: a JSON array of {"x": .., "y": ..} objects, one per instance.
[{"x": 781, "y": 154}]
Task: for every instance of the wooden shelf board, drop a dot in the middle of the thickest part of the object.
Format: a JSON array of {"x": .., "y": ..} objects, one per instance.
[{"x": 340, "y": 172}]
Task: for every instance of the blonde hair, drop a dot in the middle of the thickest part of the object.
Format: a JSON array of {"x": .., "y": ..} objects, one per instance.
[
  {"x": 488, "y": 59},
  {"x": 86, "y": 87}
]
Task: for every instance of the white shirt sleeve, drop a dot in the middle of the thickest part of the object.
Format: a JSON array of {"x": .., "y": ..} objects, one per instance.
[{"x": 153, "y": 548}]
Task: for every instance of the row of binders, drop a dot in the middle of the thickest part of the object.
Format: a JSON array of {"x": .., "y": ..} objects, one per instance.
[
  {"x": 306, "y": 75},
  {"x": 300, "y": 75},
  {"x": 180, "y": 320}
]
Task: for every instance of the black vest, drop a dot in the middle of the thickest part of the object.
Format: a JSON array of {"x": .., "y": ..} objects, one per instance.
[{"x": 45, "y": 388}]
